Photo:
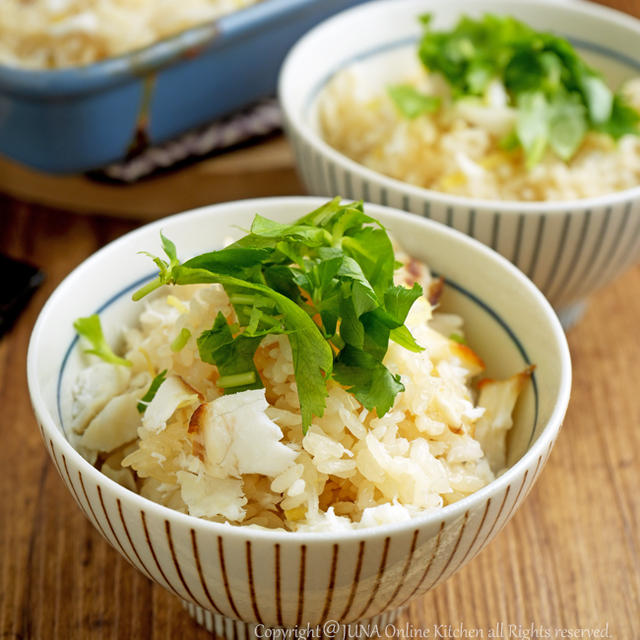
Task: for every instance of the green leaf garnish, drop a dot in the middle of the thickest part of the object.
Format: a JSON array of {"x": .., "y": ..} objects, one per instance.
[
  {"x": 532, "y": 127},
  {"x": 91, "y": 329},
  {"x": 232, "y": 356},
  {"x": 367, "y": 378},
  {"x": 410, "y": 102},
  {"x": 151, "y": 391},
  {"x": 567, "y": 125},
  {"x": 558, "y": 97},
  {"x": 165, "y": 268},
  {"x": 324, "y": 281},
  {"x": 624, "y": 119}
]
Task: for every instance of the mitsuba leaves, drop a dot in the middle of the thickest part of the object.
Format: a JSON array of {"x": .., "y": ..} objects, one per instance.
[
  {"x": 151, "y": 391},
  {"x": 231, "y": 260},
  {"x": 232, "y": 355},
  {"x": 367, "y": 379},
  {"x": 326, "y": 282},
  {"x": 410, "y": 102},
  {"x": 91, "y": 329},
  {"x": 558, "y": 97},
  {"x": 567, "y": 125},
  {"x": 624, "y": 119},
  {"x": 532, "y": 125},
  {"x": 399, "y": 300}
]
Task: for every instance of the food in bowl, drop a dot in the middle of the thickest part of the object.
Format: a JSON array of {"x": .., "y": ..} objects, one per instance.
[
  {"x": 491, "y": 110},
  {"x": 293, "y": 380},
  {"x": 52, "y": 34}
]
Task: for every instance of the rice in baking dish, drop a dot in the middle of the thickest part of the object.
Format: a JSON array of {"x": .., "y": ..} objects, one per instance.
[
  {"x": 457, "y": 149},
  {"x": 243, "y": 458},
  {"x": 50, "y": 34}
]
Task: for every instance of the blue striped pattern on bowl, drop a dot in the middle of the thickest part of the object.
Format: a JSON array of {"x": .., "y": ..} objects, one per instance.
[{"x": 236, "y": 582}]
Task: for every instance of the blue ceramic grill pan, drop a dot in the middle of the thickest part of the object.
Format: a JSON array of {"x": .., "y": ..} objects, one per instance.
[{"x": 77, "y": 119}]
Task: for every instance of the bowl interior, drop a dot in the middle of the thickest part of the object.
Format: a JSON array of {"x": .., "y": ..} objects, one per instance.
[{"x": 507, "y": 320}]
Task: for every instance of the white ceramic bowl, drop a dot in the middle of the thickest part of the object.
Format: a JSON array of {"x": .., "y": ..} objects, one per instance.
[
  {"x": 234, "y": 579},
  {"x": 568, "y": 249}
]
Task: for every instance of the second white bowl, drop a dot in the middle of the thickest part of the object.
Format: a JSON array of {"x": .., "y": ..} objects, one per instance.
[{"x": 569, "y": 249}]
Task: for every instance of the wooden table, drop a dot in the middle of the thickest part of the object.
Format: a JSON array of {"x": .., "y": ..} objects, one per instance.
[{"x": 569, "y": 559}]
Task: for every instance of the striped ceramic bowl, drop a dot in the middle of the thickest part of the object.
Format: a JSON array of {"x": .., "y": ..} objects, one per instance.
[
  {"x": 244, "y": 583},
  {"x": 568, "y": 249}
]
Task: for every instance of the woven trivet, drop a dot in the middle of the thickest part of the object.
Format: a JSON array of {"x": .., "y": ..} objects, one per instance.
[{"x": 253, "y": 123}]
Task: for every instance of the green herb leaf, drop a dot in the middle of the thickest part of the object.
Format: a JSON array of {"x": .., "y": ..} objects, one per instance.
[
  {"x": 399, "y": 300},
  {"x": 164, "y": 267},
  {"x": 567, "y": 125},
  {"x": 151, "y": 391},
  {"x": 232, "y": 356},
  {"x": 403, "y": 337},
  {"x": 91, "y": 329},
  {"x": 510, "y": 142},
  {"x": 558, "y": 97},
  {"x": 532, "y": 125},
  {"x": 326, "y": 282},
  {"x": 367, "y": 379},
  {"x": 312, "y": 356},
  {"x": 410, "y": 102},
  {"x": 351, "y": 329},
  {"x": 231, "y": 260},
  {"x": 624, "y": 120},
  {"x": 598, "y": 98},
  {"x": 170, "y": 249}
]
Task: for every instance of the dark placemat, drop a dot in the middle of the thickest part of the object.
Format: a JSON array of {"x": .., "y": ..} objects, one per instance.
[{"x": 252, "y": 124}]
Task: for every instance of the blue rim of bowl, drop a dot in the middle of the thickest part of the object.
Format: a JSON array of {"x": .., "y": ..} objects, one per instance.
[{"x": 449, "y": 283}]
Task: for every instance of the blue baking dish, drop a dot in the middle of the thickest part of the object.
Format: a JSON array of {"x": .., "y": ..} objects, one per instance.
[{"x": 74, "y": 120}]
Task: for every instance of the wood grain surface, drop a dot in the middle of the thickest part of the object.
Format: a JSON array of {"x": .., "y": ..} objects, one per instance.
[
  {"x": 568, "y": 564},
  {"x": 264, "y": 170}
]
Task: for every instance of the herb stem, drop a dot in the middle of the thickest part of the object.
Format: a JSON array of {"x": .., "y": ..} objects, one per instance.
[
  {"x": 236, "y": 380},
  {"x": 181, "y": 340},
  {"x": 147, "y": 289}
]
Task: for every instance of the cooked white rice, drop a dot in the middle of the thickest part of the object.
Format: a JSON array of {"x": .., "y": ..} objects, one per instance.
[
  {"x": 49, "y": 34},
  {"x": 456, "y": 150},
  {"x": 243, "y": 459}
]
